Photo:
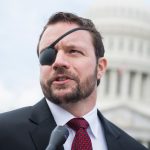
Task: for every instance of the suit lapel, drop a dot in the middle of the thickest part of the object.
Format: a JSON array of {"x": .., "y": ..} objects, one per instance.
[
  {"x": 111, "y": 134},
  {"x": 43, "y": 124}
]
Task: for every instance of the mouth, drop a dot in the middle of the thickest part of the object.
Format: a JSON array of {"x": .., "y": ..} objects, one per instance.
[{"x": 61, "y": 79}]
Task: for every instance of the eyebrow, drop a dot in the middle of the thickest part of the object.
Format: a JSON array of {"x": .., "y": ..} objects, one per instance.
[{"x": 71, "y": 46}]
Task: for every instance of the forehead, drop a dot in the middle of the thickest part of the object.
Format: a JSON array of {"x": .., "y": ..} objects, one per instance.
[{"x": 54, "y": 31}]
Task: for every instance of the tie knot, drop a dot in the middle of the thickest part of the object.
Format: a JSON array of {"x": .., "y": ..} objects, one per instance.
[{"x": 77, "y": 123}]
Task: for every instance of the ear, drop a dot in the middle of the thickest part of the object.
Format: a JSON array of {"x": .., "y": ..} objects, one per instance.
[{"x": 101, "y": 67}]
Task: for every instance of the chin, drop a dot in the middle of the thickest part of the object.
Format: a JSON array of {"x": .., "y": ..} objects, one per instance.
[
  {"x": 61, "y": 94},
  {"x": 62, "y": 90}
]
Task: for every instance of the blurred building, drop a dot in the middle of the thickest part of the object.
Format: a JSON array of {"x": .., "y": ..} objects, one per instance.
[{"x": 124, "y": 93}]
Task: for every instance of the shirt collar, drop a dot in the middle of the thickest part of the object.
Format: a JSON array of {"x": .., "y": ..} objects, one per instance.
[
  {"x": 93, "y": 121},
  {"x": 62, "y": 116}
]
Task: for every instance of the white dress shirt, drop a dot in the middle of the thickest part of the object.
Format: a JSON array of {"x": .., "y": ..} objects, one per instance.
[{"x": 94, "y": 130}]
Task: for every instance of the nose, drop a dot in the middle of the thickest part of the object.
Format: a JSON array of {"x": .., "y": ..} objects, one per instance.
[{"x": 60, "y": 61}]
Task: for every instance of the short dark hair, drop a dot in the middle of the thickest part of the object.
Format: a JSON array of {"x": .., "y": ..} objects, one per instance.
[{"x": 82, "y": 22}]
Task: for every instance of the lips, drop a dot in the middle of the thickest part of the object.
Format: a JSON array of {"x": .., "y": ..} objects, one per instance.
[{"x": 61, "y": 79}]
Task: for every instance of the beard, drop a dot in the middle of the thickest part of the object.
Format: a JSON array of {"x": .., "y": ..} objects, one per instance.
[{"x": 78, "y": 91}]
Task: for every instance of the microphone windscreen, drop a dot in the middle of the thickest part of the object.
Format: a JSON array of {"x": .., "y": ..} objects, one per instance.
[{"x": 58, "y": 137}]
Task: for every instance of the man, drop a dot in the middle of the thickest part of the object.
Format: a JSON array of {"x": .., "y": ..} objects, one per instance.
[{"x": 72, "y": 62}]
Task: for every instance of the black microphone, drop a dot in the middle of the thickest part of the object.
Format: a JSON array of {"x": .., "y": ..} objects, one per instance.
[{"x": 58, "y": 137}]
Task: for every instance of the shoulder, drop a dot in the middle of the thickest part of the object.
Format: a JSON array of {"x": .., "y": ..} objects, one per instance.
[
  {"x": 15, "y": 115},
  {"x": 124, "y": 140},
  {"x": 14, "y": 123},
  {"x": 23, "y": 113},
  {"x": 24, "y": 116}
]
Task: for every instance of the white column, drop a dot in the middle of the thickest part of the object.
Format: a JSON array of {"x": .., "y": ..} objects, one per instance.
[
  {"x": 106, "y": 86},
  {"x": 125, "y": 85},
  {"x": 101, "y": 95},
  {"x": 102, "y": 86},
  {"x": 137, "y": 87},
  {"x": 126, "y": 46},
  {"x": 147, "y": 88},
  {"x": 136, "y": 47},
  {"x": 113, "y": 83},
  {"x": 144, "y": 49}
]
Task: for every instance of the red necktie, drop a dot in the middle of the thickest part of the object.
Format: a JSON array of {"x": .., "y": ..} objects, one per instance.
[{"x": 81, "y": 140}]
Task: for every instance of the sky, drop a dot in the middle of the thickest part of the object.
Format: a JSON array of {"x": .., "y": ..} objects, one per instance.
[{"x": 21, "y": 23}]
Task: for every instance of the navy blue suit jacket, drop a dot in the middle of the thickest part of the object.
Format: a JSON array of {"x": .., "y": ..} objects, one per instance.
[{"x": 29, "y": 128}]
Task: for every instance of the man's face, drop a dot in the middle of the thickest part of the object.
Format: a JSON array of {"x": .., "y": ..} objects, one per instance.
[{"x": 73, "y": 75}]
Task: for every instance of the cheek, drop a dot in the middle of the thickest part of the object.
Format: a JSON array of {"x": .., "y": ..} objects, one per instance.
[
  {"x": 86, "y": 68},
  {"x": 44, "y": 72}
]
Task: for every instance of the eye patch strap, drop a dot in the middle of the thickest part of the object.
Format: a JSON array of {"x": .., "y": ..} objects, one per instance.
[
  {"x": 65, "y": 34},
  {"x": 48, "y": 55}
]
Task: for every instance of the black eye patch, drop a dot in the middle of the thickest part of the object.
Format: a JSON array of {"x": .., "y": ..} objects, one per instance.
[{"x": 48, "y": 55}]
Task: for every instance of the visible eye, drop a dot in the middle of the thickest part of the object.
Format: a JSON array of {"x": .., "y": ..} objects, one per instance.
[{"x": 73, "y": 51}]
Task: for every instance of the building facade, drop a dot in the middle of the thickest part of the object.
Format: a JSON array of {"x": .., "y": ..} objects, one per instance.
[{"x": 124, "y": 92}]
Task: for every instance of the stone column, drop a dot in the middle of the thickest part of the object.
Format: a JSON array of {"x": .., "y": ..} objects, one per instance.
[
  {"x": 147, "y": 88},
  {"x": 125, "y": 85},
  {"x": 137, "y": 87},
  {"x": 113, "y": 83},
  {"x": 102, "y": 86}
]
